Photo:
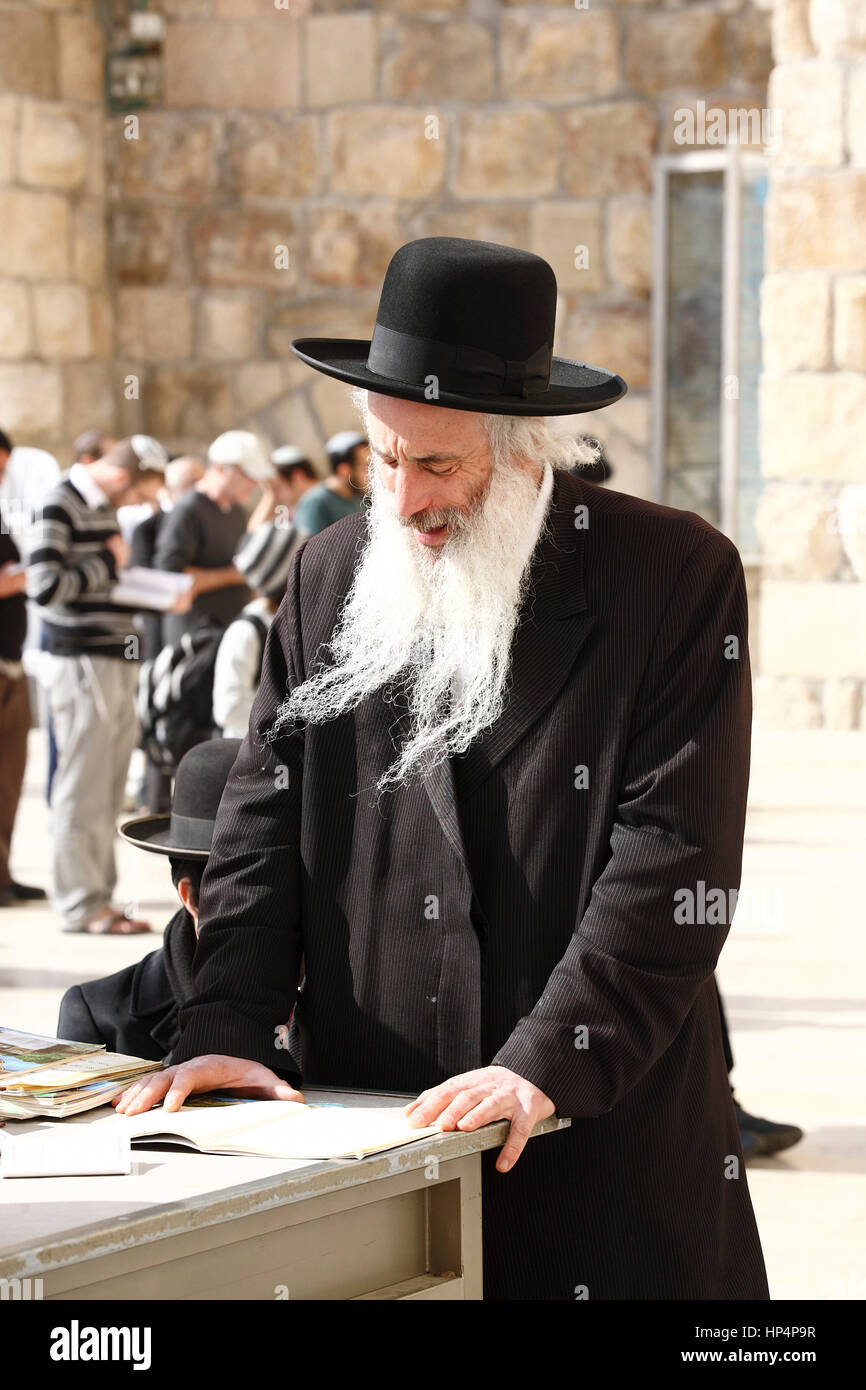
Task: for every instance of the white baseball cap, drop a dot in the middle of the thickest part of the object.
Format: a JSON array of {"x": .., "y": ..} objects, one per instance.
[{"x": 241, "y": 449}]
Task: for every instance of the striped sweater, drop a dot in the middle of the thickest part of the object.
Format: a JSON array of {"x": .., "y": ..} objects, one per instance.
[{"x": 71, "y": 573}]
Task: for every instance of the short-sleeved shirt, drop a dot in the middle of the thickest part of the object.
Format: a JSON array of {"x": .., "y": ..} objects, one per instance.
[
  {"x": 320, "y": 506},
  {"x": 198, "y": 532}
]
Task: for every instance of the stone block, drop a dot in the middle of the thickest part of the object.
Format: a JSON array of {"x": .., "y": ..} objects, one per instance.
[
  {"x": 189, "y": 402},
  {"x": 840, "y": 703},
  {"x": 808, "y": 97},
  {"x": 8, "y": 123},
  {"x": 413, "y": 6},
  {"x": 249, "y": 65},
  {"x": 569, "y": 236},
  {"x": 669, "y": 49},
  {"x": 715, "y": 119},
  {"x": 154, "y": 324},
  {"x": 89, "y": 243},
  {"x": 56, "y": 146},
  {"x": 856, "y": 126},
  {"x": 629, "y": 243},
  {"x": 850, "y": 522},
  {"x": 102, "y": 324},
  {"x": 838, "y": 27},
  {"x": 615, "y": 336},
  {"x": 352, "y": 246},
  {"x": 816, "y": 222},
  {"x": 849, "y": 322},
  {"x": 608, "y": 148},
  {"x": 173, "y": 157},
  {"x": 439, "y": 59},
  {"x": 35, "y": 234},
  {"x": 341, "y": 58},
  {"x": 508, "y": 153},
  {"x": 245, "y": 248},
  {"x": 271, "y": 157},
  {"x": 795, "y": 321},
  {"x": 790, "y": 29},
  {"x": 16, "y": 336},
  {"x": 795, "y": 525},
  {"x": 28, "y": 55},
  {"x": 227, "y": 327},
  {"x": 506, "y": 223},
  {"x": 258, "y": 385},
  {"x": 750, "y": 37},
  {"x": 62, "y": 316},
  {"x": 148, "y": 244},
  {"x": 89, "y": 399},
  {"x": 555, "y": 59},
  {"x": 291, "y": 420},
  {"x": 387, "y": 152},
  {"x": 784, "y": 702},
  {"x": 332, "y": 405},
  {"x": 323, "y": 316},
  {"x": 813, "y": 630},
  {"x": 31, "y": 402},
  {"x": 80, "y": 57},
  {"x": 811, "y": 425}
]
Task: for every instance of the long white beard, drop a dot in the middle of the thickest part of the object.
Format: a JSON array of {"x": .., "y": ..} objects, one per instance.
[{"x": 413, "y": 617}]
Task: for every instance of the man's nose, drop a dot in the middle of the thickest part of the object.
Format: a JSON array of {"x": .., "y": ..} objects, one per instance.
[{"x": 412, "y": 493}]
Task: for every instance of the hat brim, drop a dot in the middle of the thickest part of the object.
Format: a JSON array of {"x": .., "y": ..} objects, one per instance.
[
  {"x": 153, "y": 833},
  {"x": 575, "y": 387}
]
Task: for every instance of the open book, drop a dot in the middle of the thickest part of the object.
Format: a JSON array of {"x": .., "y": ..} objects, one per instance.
[{"x": 277, "y": 1128}]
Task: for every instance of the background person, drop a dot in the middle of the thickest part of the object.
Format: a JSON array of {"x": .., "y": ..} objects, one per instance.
[
  {"x": 294, "y": 475},
  {"x": 342, "y": 494},
  {"x": 91, "y": 670},
  {"x": 265, "y": 560},
  {"x": 204, "y": 528}
]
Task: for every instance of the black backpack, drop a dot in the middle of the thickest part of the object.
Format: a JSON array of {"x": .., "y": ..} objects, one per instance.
[{"x": 175, "y": 694}]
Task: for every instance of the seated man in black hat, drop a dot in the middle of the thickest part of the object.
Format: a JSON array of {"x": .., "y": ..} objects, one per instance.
[{"x": 135, "y": 1011}]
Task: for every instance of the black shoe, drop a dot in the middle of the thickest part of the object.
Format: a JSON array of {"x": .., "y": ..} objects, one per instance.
[
  {"x": 760, "y": 1137},
  {"x": 23, "y": 893}
]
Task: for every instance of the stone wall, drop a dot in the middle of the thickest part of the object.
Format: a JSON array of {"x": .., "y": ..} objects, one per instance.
[
  {"x": 56, "y": 332},
  {"x": 812, "y": 518},
  {"x": 338, "y": 131}
]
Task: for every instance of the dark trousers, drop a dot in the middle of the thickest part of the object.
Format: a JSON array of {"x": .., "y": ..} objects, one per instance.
[{"x": 14, "y": 726}]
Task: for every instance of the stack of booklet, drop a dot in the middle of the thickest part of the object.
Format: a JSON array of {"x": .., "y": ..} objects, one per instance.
[{"x": 50, "y": 1078}]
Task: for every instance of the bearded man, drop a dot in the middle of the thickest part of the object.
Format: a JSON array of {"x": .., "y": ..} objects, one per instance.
[{"x": 502, "y": 736}]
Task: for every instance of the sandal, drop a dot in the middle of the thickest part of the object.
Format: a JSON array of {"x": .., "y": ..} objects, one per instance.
[{"x": 111, "y": 923}]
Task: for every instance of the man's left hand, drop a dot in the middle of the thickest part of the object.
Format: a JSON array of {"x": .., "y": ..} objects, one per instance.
[{"x": 478, "y": 1098}]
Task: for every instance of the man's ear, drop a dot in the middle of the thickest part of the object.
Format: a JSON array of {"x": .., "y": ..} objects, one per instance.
[{"x": 186, "y": 893}]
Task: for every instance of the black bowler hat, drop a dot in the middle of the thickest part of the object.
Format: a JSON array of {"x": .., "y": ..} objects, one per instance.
[
  {"x": 468, "y": 325},
  {"x": 198, "y": 785}
]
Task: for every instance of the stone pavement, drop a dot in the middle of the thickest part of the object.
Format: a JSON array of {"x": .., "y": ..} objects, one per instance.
[{"x": 791, "y": 975}]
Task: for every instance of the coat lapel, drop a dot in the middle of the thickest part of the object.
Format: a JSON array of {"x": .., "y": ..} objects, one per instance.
[{"x": 552, "y": 629}]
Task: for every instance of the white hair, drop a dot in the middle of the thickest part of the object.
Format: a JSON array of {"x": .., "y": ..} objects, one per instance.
[{"x": 519, "y": 436}]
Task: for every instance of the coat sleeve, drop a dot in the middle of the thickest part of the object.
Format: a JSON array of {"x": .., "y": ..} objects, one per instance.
[
  {"x": 249, "y": 949},
  {"x": 656, "y": 920}
]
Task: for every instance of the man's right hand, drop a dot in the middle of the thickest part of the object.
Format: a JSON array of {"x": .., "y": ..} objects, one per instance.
[
  {"x": 211, "y": 1073},
  {"x": 119, "y": 550}
]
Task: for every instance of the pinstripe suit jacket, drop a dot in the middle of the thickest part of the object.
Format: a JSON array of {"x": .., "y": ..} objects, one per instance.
[{"x": 526, "y": 904}]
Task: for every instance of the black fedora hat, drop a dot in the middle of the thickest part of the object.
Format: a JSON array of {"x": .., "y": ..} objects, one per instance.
[
  {"x": 198, "y": 785},
  {"x": 467, "y": 325}
]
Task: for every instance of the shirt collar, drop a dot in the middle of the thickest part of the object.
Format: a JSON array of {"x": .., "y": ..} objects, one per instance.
[{"x": 81, "y": 479}]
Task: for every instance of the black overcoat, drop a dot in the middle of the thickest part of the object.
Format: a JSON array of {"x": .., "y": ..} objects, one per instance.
[{"x": 527, "y": 903}]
